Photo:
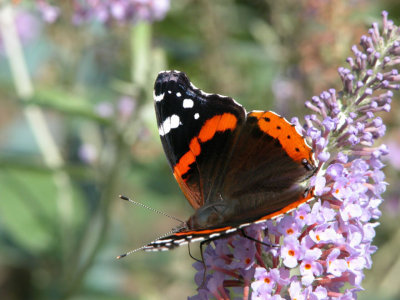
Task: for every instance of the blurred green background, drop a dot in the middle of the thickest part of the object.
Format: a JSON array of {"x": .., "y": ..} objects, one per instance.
[{"x": 77, "y": 128}]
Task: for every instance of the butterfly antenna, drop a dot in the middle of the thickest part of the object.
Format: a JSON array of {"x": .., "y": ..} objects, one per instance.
[
  {"x": 149, "y": 208},
  {"x": 145, "y": 246}
]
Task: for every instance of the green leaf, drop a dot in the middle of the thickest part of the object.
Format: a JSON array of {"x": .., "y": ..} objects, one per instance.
[{"x": 28, "y": 209}]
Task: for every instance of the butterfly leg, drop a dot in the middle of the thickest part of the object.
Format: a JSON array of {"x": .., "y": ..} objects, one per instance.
[
  {"x": 194, "y": 258},
  {"x": 204, "y": 264},
  {"x": 243, "y": 232}
]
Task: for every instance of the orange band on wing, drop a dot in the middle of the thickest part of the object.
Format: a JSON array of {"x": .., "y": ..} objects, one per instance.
[
  {"x": 223, "y": 122},
  {"x": 183, "y": 165},
  {"x": 219, "y": 123},
  {"x": 278, "y": 128},
  {"x": 204, "y": 231},
  {"x": 195, "y": 146}
]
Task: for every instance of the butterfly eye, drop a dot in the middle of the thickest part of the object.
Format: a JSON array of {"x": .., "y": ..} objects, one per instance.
[{"x": 307, "y": 164}]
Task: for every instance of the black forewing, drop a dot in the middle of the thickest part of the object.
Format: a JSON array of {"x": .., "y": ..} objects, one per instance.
[{"x": 185, "y": 113}]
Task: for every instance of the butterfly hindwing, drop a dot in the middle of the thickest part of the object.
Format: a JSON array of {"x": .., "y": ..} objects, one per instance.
[{"x": 269, "y": 161}]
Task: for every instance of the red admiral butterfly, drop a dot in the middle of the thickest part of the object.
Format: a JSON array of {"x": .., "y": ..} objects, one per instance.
[{"x": 235, "y": 168}]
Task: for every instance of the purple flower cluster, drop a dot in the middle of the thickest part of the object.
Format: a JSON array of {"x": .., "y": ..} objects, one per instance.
[
  {"x": 323, "y": 246},
  {"x": 122, "y": 11}
]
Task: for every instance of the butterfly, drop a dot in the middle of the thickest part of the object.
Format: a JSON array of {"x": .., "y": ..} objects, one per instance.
[{"x": 234, "y": 167}]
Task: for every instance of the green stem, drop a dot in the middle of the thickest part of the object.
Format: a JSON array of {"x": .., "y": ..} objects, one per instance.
[{"x": 140, "y": 51}]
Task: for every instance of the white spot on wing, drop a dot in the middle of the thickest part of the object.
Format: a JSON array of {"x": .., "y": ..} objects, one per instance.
[
  {"x": 162, "y": 241},
  {"x": 260, "y": 221},
  {"x": 158, "y": 98},
  {"x": 175, "y": 121},
  {"x": 178, "y": 94},
  {"x": 197, "y": 239},
  {"x": 244, "y": 225},
  {"x": 188, "y": 103},
  {"x": 214, "y": 235},
  {"x": 169, "y": 123},
  {"x": 196, "y": 116},
  {"x": 179, "y": 241}
]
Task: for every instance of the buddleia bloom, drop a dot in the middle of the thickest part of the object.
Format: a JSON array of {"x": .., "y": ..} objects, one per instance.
[
  {"x": 321, "y": 250},
  {"x": 121, "y": 11}
]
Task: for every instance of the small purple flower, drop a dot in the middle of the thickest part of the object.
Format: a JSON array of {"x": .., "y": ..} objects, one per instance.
[
  {"x": 291, "y": 252},
  {"x": 325, "y": 233},
  {"x": 335, "y": 171},
  {"x": 105, "y": 109},
  {"x": 319, "y": 185},
  {"x": 301, "y": 214},
  {"x": 350, "y": 212},
  {"x": 288, "y": 227},
  {"x": 215, "y": 285},
  {"x": 126, "y": 106},
  {"x": 244, "y": 255},
  {"x": 320, "y": 293},
  {"x": 330, "y": 123},
  {"x": 297, "y": 292},
  {"x": 50, "y": 13},
  {"x": 310, "y": 267},
  {"x": 88, "y": 153},
  {"x": 355, "y": 267},
  {"x": 335, "y": 266},
  {"x": 265, "y": 281}
]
